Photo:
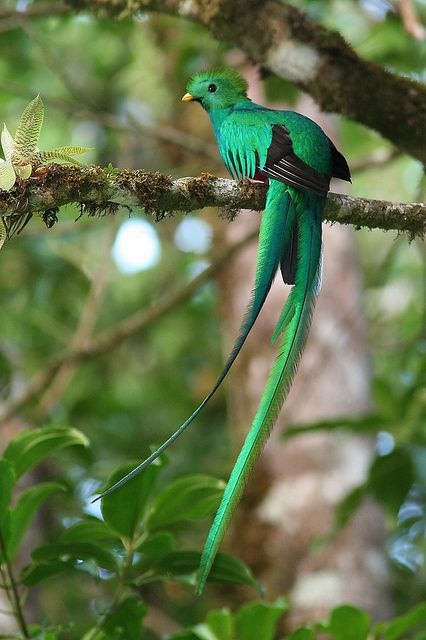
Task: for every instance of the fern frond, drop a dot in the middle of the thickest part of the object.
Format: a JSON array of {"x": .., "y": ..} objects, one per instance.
[
  {"x": 70, "y": 151},
  {"x": 29, "y": 127},
  {"x": 24, "y": 171},
  {"x": 53, "y": 157},
  {"x": 7, "y": 143}
]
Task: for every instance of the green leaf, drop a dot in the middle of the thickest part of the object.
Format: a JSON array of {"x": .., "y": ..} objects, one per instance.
[
  {"x": 29, "y": 128},
  {"x": 189, "y": 498},
  {"x": 151, "y": 550},
  {"x": 221, "y": 623},
  {"x": 178, "y": 563},
  {"x": 75, "y": 551},
  {"x": 389, "y": 481},
  {"x": 23, "y": 172},
  {"x": 70, "y": 151},
  {"x": 7, "y": 480},
  {"x": 348, "y": 505},
  {"x": 88, "y": 530},
  {"x": 386, "y": 399},
  {"x": 157, "y": 545},
  {"x": 227, "y": 569},
  {"x": 203, "y": 632},
  {"x": 124, "y": 509},
  {"x": 371, "y": 423},
  {"x": 26, "y": 507},
  {"x": 125, "y": 623},
  {"x": 37, "y": 632},
  {"x": 54, "y": 157},
  {"x": 304, "y": 633},
  {"x": 259, "y": 619},
  {"x": 7, "y": 143},
  {"x": 391, "y": 477},
  {"x": 30, "y": 447},
  {"x": 183, "y": 566},
  {"x": 35, "y": 573},
  {"x": 7, "y": 175},
  {"x": 347, "y": 623},
  {"x": 398, "y": 627}
]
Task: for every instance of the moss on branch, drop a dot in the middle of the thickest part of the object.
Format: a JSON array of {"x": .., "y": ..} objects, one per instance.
[{"x": 100, "y": 191}]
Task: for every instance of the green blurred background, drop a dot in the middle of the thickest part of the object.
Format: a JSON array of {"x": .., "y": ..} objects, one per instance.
[{"x": 116, "y": 87}]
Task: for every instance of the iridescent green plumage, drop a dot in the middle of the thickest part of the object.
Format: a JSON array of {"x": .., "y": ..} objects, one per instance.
[{"x": 298, "y": 159}]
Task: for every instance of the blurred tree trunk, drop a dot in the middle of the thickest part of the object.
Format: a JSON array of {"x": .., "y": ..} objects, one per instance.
[{"x": 291, "y": 498}]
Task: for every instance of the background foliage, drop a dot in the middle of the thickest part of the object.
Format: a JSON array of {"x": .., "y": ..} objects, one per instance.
[{"x": 116, "y": 87}]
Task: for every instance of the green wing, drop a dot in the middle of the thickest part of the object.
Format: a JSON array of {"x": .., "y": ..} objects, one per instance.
[{"x": 282, "y": 145}]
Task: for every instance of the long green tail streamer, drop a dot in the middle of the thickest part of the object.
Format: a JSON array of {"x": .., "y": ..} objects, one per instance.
[
  {"x": 297, "y": 315},
  {"x": 274, "y": 236}
]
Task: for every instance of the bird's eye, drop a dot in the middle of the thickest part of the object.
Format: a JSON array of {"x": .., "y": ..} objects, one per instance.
[{"x": 212, "y": 88}]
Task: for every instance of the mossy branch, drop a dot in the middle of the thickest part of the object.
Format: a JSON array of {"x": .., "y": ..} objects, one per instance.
[{"x": 100, "y": 191}]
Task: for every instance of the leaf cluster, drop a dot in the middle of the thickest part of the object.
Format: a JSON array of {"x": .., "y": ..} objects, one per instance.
[
  {"x": 131, "y": 546},
  {"x": 21, "y": 153}
]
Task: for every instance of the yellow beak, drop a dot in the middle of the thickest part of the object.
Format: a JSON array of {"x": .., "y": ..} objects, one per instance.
[{"x": 187, "y": 97}]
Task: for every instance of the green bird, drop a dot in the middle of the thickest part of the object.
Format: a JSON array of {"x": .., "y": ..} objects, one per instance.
[{"x": 294, "y": 155}]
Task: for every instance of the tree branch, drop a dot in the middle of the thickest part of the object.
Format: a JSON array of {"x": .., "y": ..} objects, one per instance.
[
  {"x": 83, "y": 332},
  {"x": 35, "y": 10},
  {"x": 100, "y": 191},
  {"x": 284, "y": 41},
  {"x": 410, "y": 20},
  {"x": 12, "y": 18}
]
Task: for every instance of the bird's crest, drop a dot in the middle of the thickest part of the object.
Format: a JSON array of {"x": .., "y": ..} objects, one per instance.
[{"x": 232, "y": 76}]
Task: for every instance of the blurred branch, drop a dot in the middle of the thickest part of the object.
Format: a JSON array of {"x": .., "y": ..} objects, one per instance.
[
  {"x": 36, "y": 10},
  {"x": 169, "y": 134},
  {"x": 127, "y": 123},
  {"x": 111, "y": 339},
  {"x": 410, "y": 20},
  {"x": 12, "y": 590},
  {"x": 283, "y": 40},
  {"x": 379, "y": 158},
  {"x": 100, "y": 191},
  {"x": 14, "y": 19},
  {"x": 55, "y": 63},
  {"x": 83, "y": 333}
]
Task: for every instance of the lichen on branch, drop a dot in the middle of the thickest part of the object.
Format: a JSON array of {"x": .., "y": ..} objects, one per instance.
[{"x": 100, "y": 191}]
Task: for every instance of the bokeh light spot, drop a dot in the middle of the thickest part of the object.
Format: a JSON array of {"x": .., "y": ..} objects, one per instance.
[
  {"x": 193, "y": 235},
  {"x": 136, "y": 247}
]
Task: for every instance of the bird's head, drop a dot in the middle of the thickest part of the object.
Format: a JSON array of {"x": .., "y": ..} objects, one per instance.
[{"x": 217, "y": 89}]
